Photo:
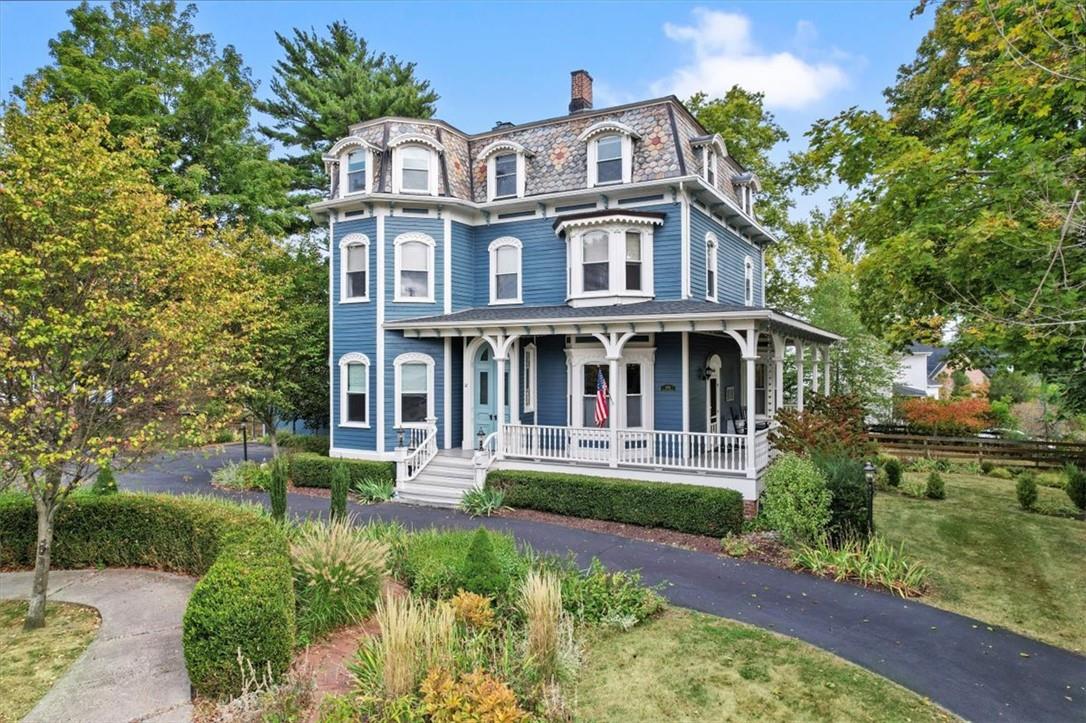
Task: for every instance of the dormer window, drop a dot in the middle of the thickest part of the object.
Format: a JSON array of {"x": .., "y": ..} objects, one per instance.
[
  {"x": 505, "y": 175},
  {"x": 356, "y": 171},
  {"x": 710, "y": 167},
  {"x": 349, "y": 163},
  {"x": 609, "y": 256},
  {"x": 712, "y": 149},
  {"x": 414, "y": 164},
  {"x": 610, "y": 152},
  {"x": 506, "y": 163},
  {"x": 746, "y": 185}
]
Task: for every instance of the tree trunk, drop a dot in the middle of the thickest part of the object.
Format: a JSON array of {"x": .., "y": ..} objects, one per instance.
[
  {"x": 35, "y": 614},
  {"x": 273, "y": 441}
]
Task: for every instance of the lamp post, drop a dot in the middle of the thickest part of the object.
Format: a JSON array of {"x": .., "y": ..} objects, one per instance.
[
  {"x": 244, "y": 441},
  {"x": 869, "y": 475}
]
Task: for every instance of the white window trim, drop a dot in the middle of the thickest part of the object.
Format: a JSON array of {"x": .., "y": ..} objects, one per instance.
[
  {"x": 353, "y": 239},
  {"x": 496, "y": 244},
  {"x": 336, "y": 158},
  {"x": 432, "y": 280},
  {"x": 712, "y": 250},
  {"x": 397, "y": 168},
  {"x": 413, "y": 357},
  {"x": 343, "y": 192},
  {"x": 353, "y": 358},
  {"x": 748, "y": 281},
  {"x": 627, "y": 159},
  {"x": 530, "y": 388},
  {"x": 492, "y": 180},
  {"x": 578, "y": 356},
  {"x": 708, "y": 163},
  {"x": 615, "y": 293}
]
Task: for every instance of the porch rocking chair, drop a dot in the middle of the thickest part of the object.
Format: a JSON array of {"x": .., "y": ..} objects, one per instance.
[{"x": 739, "y": 422}]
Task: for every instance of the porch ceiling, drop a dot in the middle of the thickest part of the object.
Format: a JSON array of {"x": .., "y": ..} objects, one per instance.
[{"x": 645, "y": 317}]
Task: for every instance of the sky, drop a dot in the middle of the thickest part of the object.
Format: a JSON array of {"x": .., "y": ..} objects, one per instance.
[{"x": 494, "y": 61}]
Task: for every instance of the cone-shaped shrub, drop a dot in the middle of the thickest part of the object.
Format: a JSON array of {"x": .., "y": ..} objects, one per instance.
[
  {"x": 277, "y": 488},
  {"x": 482, "y": 571},
  {"x": 341, "y": 481}
]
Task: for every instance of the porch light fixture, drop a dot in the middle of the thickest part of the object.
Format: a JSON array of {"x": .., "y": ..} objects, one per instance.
[
  {"x": 399, "y": 436},
  {"x": 481, "y": 434}
]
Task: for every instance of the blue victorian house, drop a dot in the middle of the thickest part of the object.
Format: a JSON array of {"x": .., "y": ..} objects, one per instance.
[{"x": 583, "y": 293}]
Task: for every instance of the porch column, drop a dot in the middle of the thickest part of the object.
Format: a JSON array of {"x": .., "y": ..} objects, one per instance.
[
  {"x": 613, "y": 445},
  {"x": 778, "y": 379},
  {"x": 500, "y": 439},
  {"x": 799, "y": 376},
  {"x": 752, "y": 463},
  {"x": 826, "y": 370}
]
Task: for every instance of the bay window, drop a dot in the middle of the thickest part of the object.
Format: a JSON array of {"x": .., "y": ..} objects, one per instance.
[
  {"x": 633, "y": 261},
  {"x": 596, "y": 266},
  {"x": 609, "y": 259}
]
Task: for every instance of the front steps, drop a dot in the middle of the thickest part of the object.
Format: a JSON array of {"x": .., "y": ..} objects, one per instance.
[{"x": 442, "y": 482}]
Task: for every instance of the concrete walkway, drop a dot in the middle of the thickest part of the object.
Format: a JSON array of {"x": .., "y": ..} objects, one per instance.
[
  {"x": 976, "y": 671},
  {"x": 134, "y": 669}
]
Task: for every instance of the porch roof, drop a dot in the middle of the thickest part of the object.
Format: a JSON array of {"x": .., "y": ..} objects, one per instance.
[{"x": 642, "y": 317}]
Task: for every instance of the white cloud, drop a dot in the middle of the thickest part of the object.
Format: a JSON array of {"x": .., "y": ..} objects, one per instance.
[{"x": 725, "y": 54}]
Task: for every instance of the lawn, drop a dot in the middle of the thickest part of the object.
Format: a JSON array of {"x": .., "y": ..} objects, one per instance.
[
  {"x": 33, "y": 661},
  {"x": 990, "y": 560},
  {"x": 685, "y": 666}
]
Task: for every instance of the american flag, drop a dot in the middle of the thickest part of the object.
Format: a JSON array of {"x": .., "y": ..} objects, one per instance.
[{"x": 601, "y": 399}]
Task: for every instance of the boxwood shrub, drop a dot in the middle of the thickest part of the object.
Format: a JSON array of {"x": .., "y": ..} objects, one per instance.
[
  {"x": 686, "y": 508},
  {"x": 243, "y": 601},
  {"x": 313, "y": 470}
]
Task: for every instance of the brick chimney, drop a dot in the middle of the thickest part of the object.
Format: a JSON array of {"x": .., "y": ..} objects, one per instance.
[{"x": 580, "y": 93}]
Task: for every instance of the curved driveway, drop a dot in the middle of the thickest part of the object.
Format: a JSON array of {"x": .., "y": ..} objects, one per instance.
[{"x": 978, "y": 672}]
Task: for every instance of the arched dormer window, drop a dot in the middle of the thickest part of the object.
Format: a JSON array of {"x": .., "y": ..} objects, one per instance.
[
  {"x": 350, "y": 164},
  {"x": 505, "y": 270},
  {"x": 711, "y": 150},
  {"x": 506, "y": 163},
  {"x": 748, "y": 281},
  {"x": 414, "y": 164},
  {"x": 610, "y": 152},
  {"x": 746, "y": 185},
  {"x": 354, "y": 390},
  {"x": 710, "y": 266},
  {"x": 354, "y": 267},
  {"x": 414, "y": 268}
]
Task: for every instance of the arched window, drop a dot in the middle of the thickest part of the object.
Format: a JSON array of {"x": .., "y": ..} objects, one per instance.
[
  {"x": 610, "y": 152},
  {"x": 354, "y": 390},
  {"x": 505, "y": 271},
  {"x": 748, "y": 281},
  {"x": 354, "y": 264},
  {"x": 414, "y": 163},
  {"x": 710, "y": 266},
  {"x": 414, "y": 266},
  {"x": 414, "y": 385}
]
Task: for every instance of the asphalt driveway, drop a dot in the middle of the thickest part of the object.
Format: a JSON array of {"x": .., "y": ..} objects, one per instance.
[{"x": 977, "y": 671}]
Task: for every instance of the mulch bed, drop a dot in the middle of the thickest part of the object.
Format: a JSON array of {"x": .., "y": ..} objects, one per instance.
[{"x": 763, "y": 546}]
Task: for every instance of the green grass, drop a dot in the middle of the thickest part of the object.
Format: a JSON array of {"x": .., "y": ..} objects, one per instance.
[
  {"x": 685, "y": 666},
  {"x": 990, "y": 560},
  {"x": 33, "y": 661}
]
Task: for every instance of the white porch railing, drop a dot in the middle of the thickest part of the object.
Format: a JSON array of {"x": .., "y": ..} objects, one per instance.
[
  {"x": 484, "y": 457},
  {"x": 421, "y": 448},
  {"x": 661, "y": 449}
]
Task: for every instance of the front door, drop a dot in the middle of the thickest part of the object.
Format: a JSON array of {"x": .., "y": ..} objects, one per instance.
[
  {"x": 486, "y": 402},
  {"x": 712, "y": 396}
]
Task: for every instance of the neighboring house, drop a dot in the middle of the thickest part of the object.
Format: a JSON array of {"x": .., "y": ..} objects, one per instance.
[
  {"x": 482, "y": 285},
  {"x": 926, "y": 372}
]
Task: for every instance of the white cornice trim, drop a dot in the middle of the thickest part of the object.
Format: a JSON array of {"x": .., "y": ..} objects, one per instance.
[
  {"x": 349, "y": 142},
  {"x": 421, "y": 138},
  {"x": 612, "y": 218},
  {"x": 607, "y": 126},
  {"x": 503, "y": 145}
]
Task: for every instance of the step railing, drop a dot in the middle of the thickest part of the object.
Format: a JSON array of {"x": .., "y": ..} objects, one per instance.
[
  {"x": 420, "y": 451},
  {"x": 484, "y": 457}
]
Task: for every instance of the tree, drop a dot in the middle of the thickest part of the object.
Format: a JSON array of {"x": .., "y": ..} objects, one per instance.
[
  {"x": 326, "y": 83},
  {"x": 967, "y": 195},
  {"x": 142, "y": 63},
  {"x": 114, "y": 302},
  {"x": 1013, "y": 385}
]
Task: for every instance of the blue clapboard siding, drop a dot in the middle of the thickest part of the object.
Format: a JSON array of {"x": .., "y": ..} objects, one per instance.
[
  {"x": 551, "y": 380},
  {"x": 396, "y": 344},
  {"x": 463, "y": 266},
  {"x": 731, "y": 252},
  {"x": 435, "y": 229},
  {"x": 456, "y": 375},
  {"x": 543, "y": 261},
  {"x": 703, "y": 346},
  {"x": 668, "y": 405},
  {"x": 353, "y": 330},
  {"x": 667, "y": 253}
]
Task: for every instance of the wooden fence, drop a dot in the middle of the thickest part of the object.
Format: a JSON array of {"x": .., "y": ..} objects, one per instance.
[{"x": 1033, "y": 452}]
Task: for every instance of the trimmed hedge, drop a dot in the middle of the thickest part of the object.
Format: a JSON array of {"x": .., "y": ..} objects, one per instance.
[
  {"x": 313, "y": 470},
  {"x": 244, "y": 599},
  {"x": 686, "y": 508}
]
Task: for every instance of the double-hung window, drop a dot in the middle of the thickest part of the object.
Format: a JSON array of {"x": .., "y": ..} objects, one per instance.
[
  {"x": 710, "y": 167},
  {"x": 596, "y": 262},
  {"x": 354, "y": 262},
  {"x": 710, "y": 267},
  {"x": 414, "y": 268},
  {"x": 748, "y": 281},
  {"x": 414, "y": 383},
  {"x": 356, "y": 171},
  {"x": 529, "y": 378},
  {"x": 609, "y": 159},
  {"x": 414, "y": 169},
  {"x": 505, "y": 260},
  {"x": 633, "y": 261},
  {"x": 505, "y": 175},
  {"x": 634, "y": 397},
  {"x": 354, "y": 370}
]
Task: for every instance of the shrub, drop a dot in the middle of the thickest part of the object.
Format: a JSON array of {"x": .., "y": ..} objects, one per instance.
[
  {"x": 604, "y": 597},
  {"x": 474, "y": 696},
  {"x": 337, "y": 576},
  {"x": 314, "y": 443},
  {"x": 935, "y": 490},
  {"x": 432, "y": 563},
  {"x": 1026, "y": 489},
  {"x": 796, "y": 502},
  {"x": 1001, "y": 473},
  {"x": 847, "y": 483},
  {"x": 872, "y": 562},
  {"x": 831, "y": 424},
  {"x": 475, "y": 611},
  {"x": 1076, "y": 486},
  {"x": 482, "y": 571},
  {"x": 893, "y": 469},
  {"x": 687, "y": 508},
  {"x": 373, "y": 489},
  {"x": 242, "y": 476},
  {"x": 104, "y": 482},
  {"x": 986, "y": 466},
  {"x": 243, "y": 602},
  {"x": 277, "y": 488},
  {"x": 541, "y": 605},
  {"x": 313, "y": 470},
  {"x": 947, "y": 416},
  {"x": 1056, "y": 480},
  {"x": 340, "y": 482},
  {"x": 484, "y": 502}
]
